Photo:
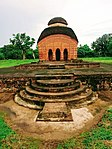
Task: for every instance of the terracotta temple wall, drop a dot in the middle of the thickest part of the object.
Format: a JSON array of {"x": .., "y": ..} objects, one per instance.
[{"x": 60, "y": 42}]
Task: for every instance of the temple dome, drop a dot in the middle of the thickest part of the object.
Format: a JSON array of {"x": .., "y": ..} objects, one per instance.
[
  {"x": 57, "y": 20},
  {"x": 57, "y": 30},
  {"x": 57, "y": 25}
]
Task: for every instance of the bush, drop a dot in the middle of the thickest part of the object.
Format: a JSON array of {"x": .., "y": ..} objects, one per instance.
[
  {"x": 2, "y": 56},
  {"x": 85, "y": 51}
]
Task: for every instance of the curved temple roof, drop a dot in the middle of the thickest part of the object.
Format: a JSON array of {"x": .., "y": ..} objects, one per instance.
[
  {"x": 57, "y": 20},
  {"x": 57, "y": 30}
]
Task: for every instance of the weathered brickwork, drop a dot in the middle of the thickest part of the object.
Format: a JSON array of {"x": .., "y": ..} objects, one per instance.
[
  {"x": 13, "y": 84},
  {"x": 57, "y": 44}
]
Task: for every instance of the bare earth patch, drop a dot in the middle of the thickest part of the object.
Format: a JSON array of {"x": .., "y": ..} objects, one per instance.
[
  {"x": 22, "y": 120},
  {"x": 4, "y": 97}
]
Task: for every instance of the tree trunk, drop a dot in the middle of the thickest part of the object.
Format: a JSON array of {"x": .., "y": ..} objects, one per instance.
[
  {"x": 33, "y": 54},
  {"x": 24, "y": 56}
]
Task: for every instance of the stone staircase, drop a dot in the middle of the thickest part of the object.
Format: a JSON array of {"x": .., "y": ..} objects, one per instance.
[
  {"x": 54, "y": 95},
  {"x": 56, "y": 66}
]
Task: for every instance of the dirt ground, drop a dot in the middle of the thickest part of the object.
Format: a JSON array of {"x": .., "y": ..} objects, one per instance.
[
  {"x": 4, "y": 97},
  {"x": 22, "y": 119}
]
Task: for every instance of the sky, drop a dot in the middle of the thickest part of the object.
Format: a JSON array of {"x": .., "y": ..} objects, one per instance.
[{"x": 89, "y": 19}]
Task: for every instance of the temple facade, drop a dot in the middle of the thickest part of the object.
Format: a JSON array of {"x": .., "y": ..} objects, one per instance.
[{"x": 57, "y": 42}]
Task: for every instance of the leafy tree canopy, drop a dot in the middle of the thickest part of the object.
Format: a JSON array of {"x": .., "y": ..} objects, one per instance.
[
  {"x": 103, "y": 45},
  {"x": 23, "y": 42},
  {"x": 85, "y": 51}
]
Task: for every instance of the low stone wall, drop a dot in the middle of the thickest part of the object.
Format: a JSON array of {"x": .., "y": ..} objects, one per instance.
[
  {"x": 82, "y": 65},
  {"x": 13, "y": 84},
  {"x": 96, "y": 81},
  {"x": 34, "y": 66}
]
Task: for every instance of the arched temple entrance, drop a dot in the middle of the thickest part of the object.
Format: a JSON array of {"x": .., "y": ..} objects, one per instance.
[
  {"x": 58, "y": 55},
  {"x": 65, "y": 54},
  {"x": 50, "y": 55}
]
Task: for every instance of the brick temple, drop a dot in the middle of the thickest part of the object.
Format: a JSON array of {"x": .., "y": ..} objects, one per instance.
[{"x": 57, "y": 42}]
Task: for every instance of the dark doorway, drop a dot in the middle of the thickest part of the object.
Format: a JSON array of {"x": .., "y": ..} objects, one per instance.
[
  {"x": 65, "y": 55},
  {"x": 50, "y": 55},
  {"x": 58, "y": 55}
]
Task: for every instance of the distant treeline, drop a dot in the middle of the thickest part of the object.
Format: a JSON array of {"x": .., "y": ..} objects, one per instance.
[
  {"x": 20, "y": 47},
  {"x": 102, "y": 47}
]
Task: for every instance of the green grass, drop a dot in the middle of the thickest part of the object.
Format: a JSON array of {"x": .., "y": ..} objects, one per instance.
[
  {"x": 95, "y": 138},
  {"x": 107, "y": 60},
  {"x": 4, "y": 129},
  {"x": 103, "y": 132},
  {"x": 19, "y": 142},
  {"x": 10, "y": 140},
  {"x": 10, "y": 63}
]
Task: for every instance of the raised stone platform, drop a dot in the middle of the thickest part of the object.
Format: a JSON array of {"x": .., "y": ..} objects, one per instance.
[
  {"x": 55, "y": 89},
  {"x": 59, "y": 65},
  {"x": 76, "y": 98},
  {"x": 54, "y": 94}
]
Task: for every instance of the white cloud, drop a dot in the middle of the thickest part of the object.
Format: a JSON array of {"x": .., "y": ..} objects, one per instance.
[{"x": 89, "y": 19}]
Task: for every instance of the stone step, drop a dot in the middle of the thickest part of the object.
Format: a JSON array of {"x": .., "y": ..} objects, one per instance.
[
  {"x": 27, "y": 103},
  {"x": 23, "y": 94},
  {"x": 55, "y": 83},
  {"x": 54, "y": 76},
  {"x": 54, "y": 112},
  {"x": 31, "y": 91},
  {"x": 56, "y": 66},
  {"x": 55, "y": 89},
  {"x": 76, "y": 98}
]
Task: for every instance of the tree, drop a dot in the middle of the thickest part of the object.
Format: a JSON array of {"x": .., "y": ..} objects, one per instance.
[
  {"x": 101, "y": 45},
  {"x": 23, "y": 42},
  {"x": 85, "y": 51},
  {"x": 11, "y": 52},
  {"x": 29, "y": 54},
  {"x": 36, "y": 52},
  {"x": 1, "y": 54},
  {"x": 109, "y": 47}
]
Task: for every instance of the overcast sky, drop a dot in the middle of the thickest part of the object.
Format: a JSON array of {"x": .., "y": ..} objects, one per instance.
[{"x": 89, "y": 19}]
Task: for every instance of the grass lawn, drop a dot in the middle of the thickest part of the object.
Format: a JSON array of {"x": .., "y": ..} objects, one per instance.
[
  {"x": 107, "y": 60},
  {"x": 10, "y": 63},
  {"x": 11, "y": 140},
  {"x": 99, "y": 137}
]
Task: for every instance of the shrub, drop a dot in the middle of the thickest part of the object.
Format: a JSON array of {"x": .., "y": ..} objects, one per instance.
[{"x": 2, "y": 56}]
